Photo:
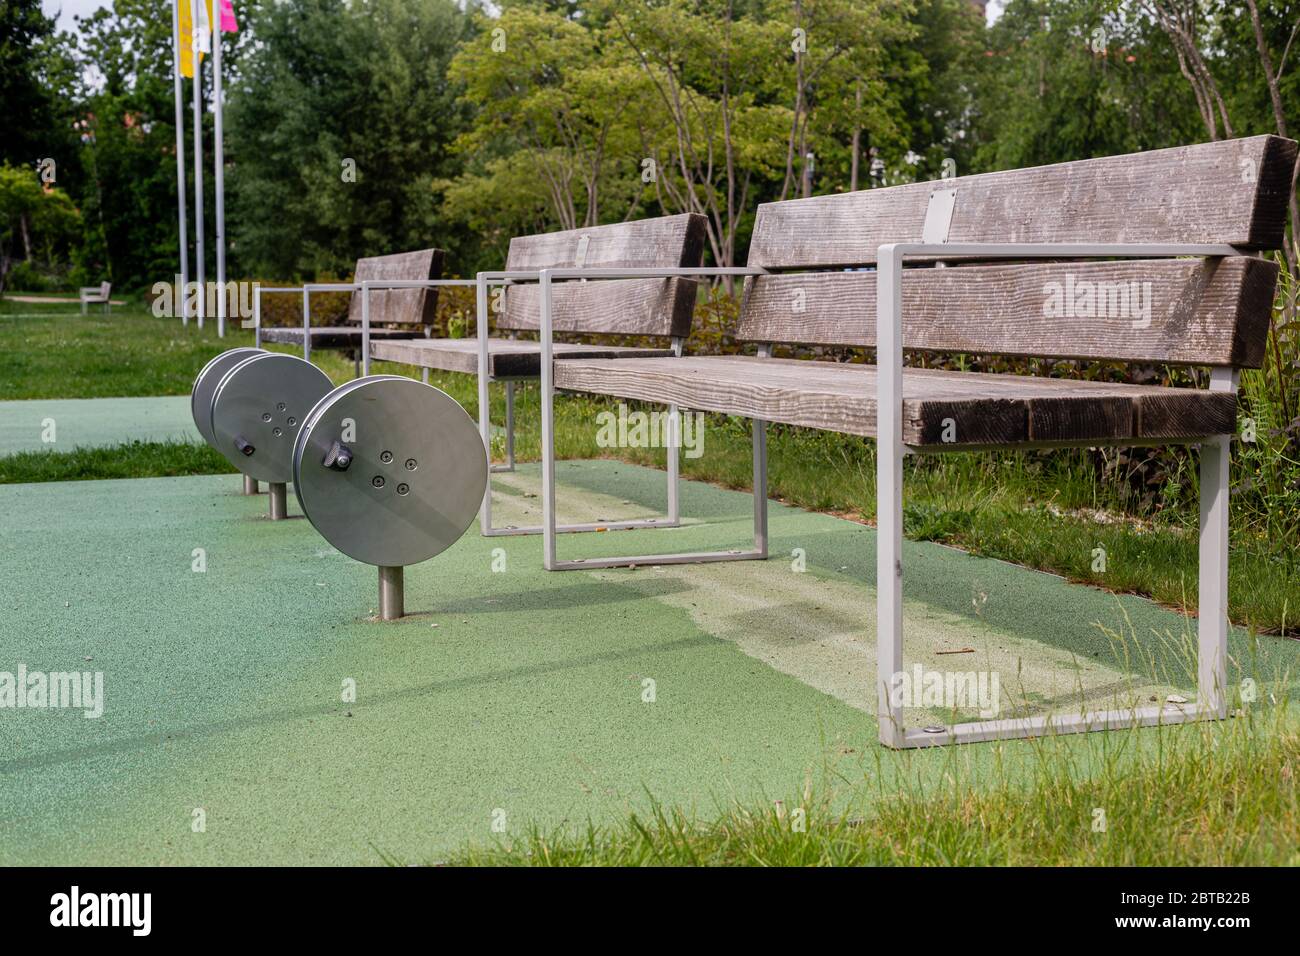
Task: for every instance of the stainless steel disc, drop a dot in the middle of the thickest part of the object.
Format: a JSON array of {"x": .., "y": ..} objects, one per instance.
[
  {"x": 259, "y": 407},
  {"x": 205, "y": 386},
  {"x": 389, "y": 470}
]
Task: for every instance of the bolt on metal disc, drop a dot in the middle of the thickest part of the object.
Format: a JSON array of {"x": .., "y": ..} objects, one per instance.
[
  {"x": 259, "y": 407},
  {"x": 205, "y": 386},
  {"x": 391, "y": 471}
]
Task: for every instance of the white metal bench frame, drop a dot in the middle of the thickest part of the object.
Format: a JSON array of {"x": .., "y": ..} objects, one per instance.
[
  {"x": 1212, "y": 622},
  {"x": 484, "y": 280}
]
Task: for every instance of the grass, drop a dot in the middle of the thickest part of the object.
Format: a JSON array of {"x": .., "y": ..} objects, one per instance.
[
  {"x": 1045, "y": 511},
  {"x": 1207, "y": 795},
  {"x": 135, "y": 460}
]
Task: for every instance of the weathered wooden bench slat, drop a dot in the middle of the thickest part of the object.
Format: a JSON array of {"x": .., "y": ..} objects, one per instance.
[
  {"x": 1232, "y": 191},
  {"x": 664, "y": 241},
  {"x": 1181, "y": 311},
  {"x": 507, "y": 358},
  {"x": 939, "y": 407},
  {"x": 334, "y": 336},
  {"x": 661, "y": 307},
  {"x": 399, "y": 306}
]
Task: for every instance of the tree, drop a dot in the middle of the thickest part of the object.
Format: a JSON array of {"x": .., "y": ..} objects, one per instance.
[
  {"x": 32, "y": 219},
  {"x": 715, "y": 129},
  {"x": 28, "y": 115},
  {"x": 1071, "y": 79},
  {"x": 839, "y": 62},
  {"x": 1182, "y": 21},
  {"x": 340, "y": 125},
  {"x": 553, "y": 100}
]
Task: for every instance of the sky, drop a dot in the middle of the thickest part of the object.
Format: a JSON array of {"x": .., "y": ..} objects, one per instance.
[{"x": 72, "y": 8}]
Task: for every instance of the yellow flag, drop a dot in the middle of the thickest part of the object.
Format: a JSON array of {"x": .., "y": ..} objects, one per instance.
[{"x": 186, "y": 34}]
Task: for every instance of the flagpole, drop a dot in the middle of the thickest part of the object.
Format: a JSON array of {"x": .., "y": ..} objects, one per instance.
[
  {"x": 198, "y": 158},
  {"x": 220, "y": 172},
  {"x": 178, "y": 88}
]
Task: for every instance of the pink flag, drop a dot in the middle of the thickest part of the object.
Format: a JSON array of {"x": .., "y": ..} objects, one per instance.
[{"x": 228, "y": 24}]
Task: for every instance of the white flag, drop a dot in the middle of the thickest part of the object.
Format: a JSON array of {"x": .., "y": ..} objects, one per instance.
[{"x": 204, "y": 27}]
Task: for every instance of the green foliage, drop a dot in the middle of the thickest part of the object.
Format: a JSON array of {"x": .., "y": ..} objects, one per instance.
[
  {"x": 1071, "y": 79},
  {"x": 331, "y": 82},
  {"x": 33, "y": 221},
  {"x": 29, "y": 116}
]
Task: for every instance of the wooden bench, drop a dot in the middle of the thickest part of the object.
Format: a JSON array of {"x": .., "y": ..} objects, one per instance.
[
  {"x": 1146, "y": 258},
  {"x": 95, "y": 295},
  {"x": 394, "y": 313},
  {"x": 653, "y": 307}
]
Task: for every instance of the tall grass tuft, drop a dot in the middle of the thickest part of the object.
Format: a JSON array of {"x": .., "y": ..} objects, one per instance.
[{"x": 1220, "y": 794}]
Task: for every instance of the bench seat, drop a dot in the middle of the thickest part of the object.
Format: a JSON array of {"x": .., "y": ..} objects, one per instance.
[
  {"x": 507, "y": 358},
  {"x": 334, "y": 336},
  {"x": 985, "y": 410}
]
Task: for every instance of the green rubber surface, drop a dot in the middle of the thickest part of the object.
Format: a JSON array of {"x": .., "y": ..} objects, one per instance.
[
  {"x": 508, "y": 695},
  {"x": 93, "y": 422}
]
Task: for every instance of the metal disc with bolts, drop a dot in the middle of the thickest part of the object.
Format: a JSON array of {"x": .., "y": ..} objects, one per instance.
[
  {"x": 205, "y": 386},
  {"x": 391, "y": 471},
  {"x": 258, "y": 409}
]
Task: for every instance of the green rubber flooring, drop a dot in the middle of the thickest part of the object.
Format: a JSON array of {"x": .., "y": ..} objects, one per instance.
[
  {"x": 509, "y": 696},
  {"x": 93, "y": 422}
]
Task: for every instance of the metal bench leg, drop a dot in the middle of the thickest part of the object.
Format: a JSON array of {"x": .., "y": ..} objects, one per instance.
[
  {"x": 1212, "y": 590},
  {"x": 509, "y": 466},
  {"x": 306, "y": 325},
  {"x": 552, "y": 563},
  {"x": 510, "y": 426},
  {"x": 1212, "y": 628},
  {"x": 486, "y": 527},
  {"x": 1212, "y": 624}
]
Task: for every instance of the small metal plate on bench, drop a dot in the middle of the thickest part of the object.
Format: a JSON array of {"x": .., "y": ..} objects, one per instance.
[
  {"x": 259, "y": 407},
  {"x": 205, "y": 386},
  {"x": 938, "y": 216},
  {"x": 389, "y": 470}
]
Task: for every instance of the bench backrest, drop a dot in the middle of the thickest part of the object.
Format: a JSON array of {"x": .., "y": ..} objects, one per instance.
[
  {"x": 661, "y": 307},
  {"x": 1182, "y": 311},
  {"x": 399, "y": 306}
]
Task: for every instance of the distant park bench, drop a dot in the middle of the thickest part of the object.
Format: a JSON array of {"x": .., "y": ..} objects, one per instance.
[
  {"x": 650, "y": 307},
  {"x": 394, "y": 313},
  {"x": 1145, "y": 258},
  {"x": 96, "y": 295}
]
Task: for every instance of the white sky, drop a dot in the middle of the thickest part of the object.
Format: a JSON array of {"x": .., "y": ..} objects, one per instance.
[{"x": 67, "y": 9}]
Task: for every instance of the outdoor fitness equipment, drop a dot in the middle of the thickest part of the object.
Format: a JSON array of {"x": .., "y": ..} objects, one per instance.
[
  {"x": 257, "y": 404},
  {"x": 201, "y": 392},
  {"x": 391, "y": 472}
]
